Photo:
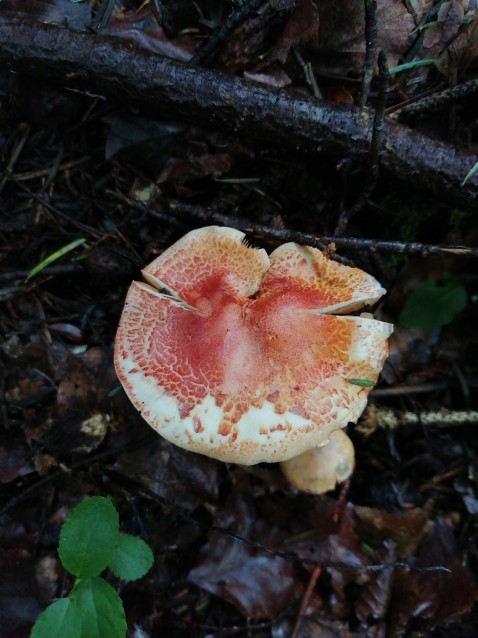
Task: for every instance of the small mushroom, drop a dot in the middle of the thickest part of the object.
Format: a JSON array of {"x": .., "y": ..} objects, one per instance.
[
  {"x": 246, "y": 357},
  {"x": 320, "y": 469}
]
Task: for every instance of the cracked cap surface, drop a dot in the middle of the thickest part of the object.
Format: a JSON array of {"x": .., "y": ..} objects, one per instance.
[{"x": 235, "y": 354}]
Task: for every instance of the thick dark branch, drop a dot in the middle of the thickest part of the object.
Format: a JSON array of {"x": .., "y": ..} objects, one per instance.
[{"x": 119, "y": 70}]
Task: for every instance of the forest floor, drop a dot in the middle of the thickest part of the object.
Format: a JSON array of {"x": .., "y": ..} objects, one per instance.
[{"x": 92, "y": 191}]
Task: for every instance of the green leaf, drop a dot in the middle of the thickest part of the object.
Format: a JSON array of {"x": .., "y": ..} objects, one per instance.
[
  {"x": 363, "y": 383},
  {"x": 433, "y": 304},
  {"x": 99, "y": 608},
  {"x": 54, "y": 256},
  {"x": 89, "y": 537},
  {"x": 238, "y": 180},
  {"x": 57, "y": 621},
  {"x": 133, "y": 558},
  {"x": 471, "y": 172},
  {"x": 410, "y": 65}
]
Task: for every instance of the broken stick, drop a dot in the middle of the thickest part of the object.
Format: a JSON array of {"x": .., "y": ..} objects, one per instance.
[{"x": 121, "y": 71}]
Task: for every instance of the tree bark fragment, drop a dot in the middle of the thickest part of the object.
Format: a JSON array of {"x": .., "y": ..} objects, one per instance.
[{"x": 120, "y": 71}]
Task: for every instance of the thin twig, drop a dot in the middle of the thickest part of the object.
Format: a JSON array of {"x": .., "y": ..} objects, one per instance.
[
  {"x": 405, "y": 390},
  {"x": 379, "y": 119},
  {"x": 17, "y": 150},
  {"x": 309, "y": 74},
  {"x": 371, "y": 35},
  {"x": 292, "y": 557},
  {"x": 41, "y": 199},
  {"x": 39, "y": 485},
  {"x": 172, "y": 209},
  {"x": 372, "y": 166},
  {"x": 246, "y": 630},
  {"x": 436, "y": 101},
  {"x": 43, "y": 172},
  {"x": 185, "y": 515},
  {"x": 50, "y": 271},
  {"x": 305, "y": 600}
]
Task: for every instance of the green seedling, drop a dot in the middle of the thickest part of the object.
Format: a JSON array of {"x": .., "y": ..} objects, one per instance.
[
  {"x": 432, "y": 304},
  {"x": 90, "y": 542},
  {"x": 239, "y": 180},
  {"x": 410, "y": 65}
]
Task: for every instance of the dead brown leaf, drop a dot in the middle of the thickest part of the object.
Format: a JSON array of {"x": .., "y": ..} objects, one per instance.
[
  {"x": 444, "y": 30},
  {"x": 331, "y": 537},
  {"x": 143, "y": 30},
  {"x": 342, "y": 35},
  {"x": 185, "y": 477},
  {"x": 76, "y": 15},
  {"x": 311, "y": 627},
  {"x": 14, "y": 462},
  {"x": 301, "y": 29},
  {"x": 258, "y": 584},
  {"x": 463, "y": 50},
  {"x": 140, "y": 141},
  {"x": 374, "y": 597},
  {"x": 273, "y": 76},
  {"x": 179, "y": 171},
  {"x": 405, "y": 528},
  {"x": 428, "y": 599}
]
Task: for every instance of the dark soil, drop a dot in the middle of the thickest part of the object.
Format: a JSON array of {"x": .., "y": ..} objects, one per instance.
[{"x": 238, "y": 552}]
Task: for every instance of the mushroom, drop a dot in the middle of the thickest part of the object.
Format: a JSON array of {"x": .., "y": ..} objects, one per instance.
[
  {"x": 246, "y": 357},
  {"x": 320, "y": 469}
]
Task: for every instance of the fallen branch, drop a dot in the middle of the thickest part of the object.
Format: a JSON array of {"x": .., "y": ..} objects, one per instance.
[
  {"x": 119, "y": 70},
  {"x": 172, "y": 211}
]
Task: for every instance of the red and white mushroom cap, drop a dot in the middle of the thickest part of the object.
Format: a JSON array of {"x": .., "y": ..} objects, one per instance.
[{"x": 233, "y": 354}]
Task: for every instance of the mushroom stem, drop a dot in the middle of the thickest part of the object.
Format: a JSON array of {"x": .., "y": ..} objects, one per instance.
[{"x": 320, "y": 469}]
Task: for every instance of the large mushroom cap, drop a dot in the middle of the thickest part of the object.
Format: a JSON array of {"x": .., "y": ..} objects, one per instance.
[{"x": 231, "y": 353}]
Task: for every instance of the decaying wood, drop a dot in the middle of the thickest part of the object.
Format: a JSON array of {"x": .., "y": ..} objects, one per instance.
[{"x": 118, "y": 70}]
